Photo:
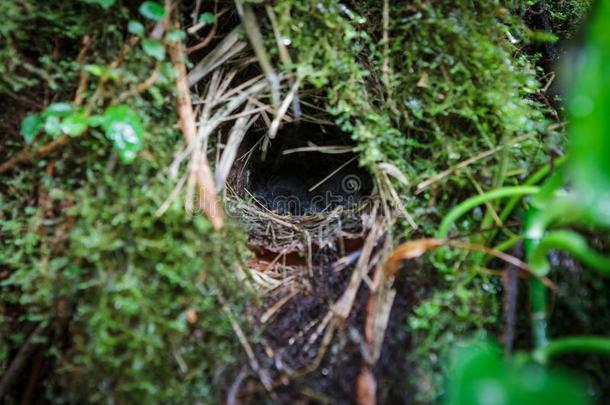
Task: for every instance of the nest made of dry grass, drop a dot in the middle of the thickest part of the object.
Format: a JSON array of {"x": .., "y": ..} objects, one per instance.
[{"x": 285, "y": 233}]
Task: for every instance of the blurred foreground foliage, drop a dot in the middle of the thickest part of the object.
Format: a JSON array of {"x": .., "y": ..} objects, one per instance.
[
  {"x": 570, "y": 207},
  {"x": 479, "y": 375}
]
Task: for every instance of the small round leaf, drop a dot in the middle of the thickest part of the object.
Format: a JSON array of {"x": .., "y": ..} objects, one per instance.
[
  {"x": 58, "y": 109},
  {"x": 124, "y": 129},
  {"x": 105, "y": 4},
  {"x": 74, "y": 124},
  {"x": 135, "y": 27},
  {"x": 152, "y": 10},
  {"x": 154, "y": 48},
  {"x": 52, "y": 126},
  {"x": 175, "y": 36},
  {"x": 30, "y": 127},
  {"x": 207, "y": 18}
]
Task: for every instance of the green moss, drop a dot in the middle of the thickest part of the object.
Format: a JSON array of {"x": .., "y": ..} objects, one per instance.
[
  {"x": 128, "y": 300},
  {"x": 567, "y": 16},
  {"x": 126, "y": 277}
]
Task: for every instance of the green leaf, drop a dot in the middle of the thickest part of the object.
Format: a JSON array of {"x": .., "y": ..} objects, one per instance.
[
  {"x": 30, "y": 127},
  {"x": 96, "y": 121},
  {"x": 97, "y": 70},
  {"x": 207, "y": 18},
  {"x": 58, "y": 109},
  {"x": 75, "y": 124},
  {"x": 154, "y": 48},
  {"x": 152, "y": 10},
  {"x": 52, "y": 126},
  {"x": 479, "y": 376},
  {"x": 135, "y": 27},
  {"x": 175, "y": 35},
  {"x": 124, "y": 129},
  {"x": 588, "y": 112},
  {"x": 105, "y": 4}
]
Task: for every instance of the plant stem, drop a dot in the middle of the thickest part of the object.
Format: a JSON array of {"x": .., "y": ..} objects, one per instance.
[
  {"x": 477, "y": 200},
  {"x": 533, "y": 179},
  {"x": 579, "y": 344},
  {"x": 572, "y": 243},
  {"x": 538, "y": 295},
  {"x": 538, "y": 298}
]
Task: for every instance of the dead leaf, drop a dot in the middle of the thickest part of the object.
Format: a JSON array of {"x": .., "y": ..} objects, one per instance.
[{"x": 423, "y": 81}]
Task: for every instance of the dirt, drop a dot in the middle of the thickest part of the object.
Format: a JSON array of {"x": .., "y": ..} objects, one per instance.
[{"x": 289, "y": 355}]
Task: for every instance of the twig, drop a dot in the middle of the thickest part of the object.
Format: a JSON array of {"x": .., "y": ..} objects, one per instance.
[
  {"x": 343, "y": 306},
  {"x": 141, "y": 87},
  {"x": 254, "y": 364},
  {"x": 275, "y": 124},
  {"x": 205, "y": 42},
  {"x": 84, "y": 76},
  {"x": 30, "y": 155},
  {"x": 330, "y": 149},
  {"x": 208, "y": 200},
  {"x": 230, "y": 46},
  {"x": 248, "y": 18},
  {"x": 366, "y": 387},
  {"x": 337, "y": 170},
  {"x": 277, "y": 306},
  {"x": 236, "y": 135},
  {"x": 385, "y": 69},
  {"x": 234, "y": 389},
  {"x": 20, "y": 361},
  {"x": 285, "y": 58},
  {"x": 511, "y": 294},
  {"x": 439, "y": 176}
]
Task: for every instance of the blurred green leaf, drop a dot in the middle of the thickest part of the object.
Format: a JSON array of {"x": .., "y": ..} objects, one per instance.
[
  {"x": 124, "y": 128},
  {"x": 58, "y": 109},
  {"x": 175, "y": 35},
  {"x": 30, "y": 127},
  {"x": 52, "y": 126},
  {"x": 543, "y": 36},
  {"x": 207, "y": 18},
  {"x": 75, "y": 124},
  {"x": 135, "y": 27},
  {"x": 152, "y": 10},
  {"x": 96, "y": 120},
  {"x": 97, "y": 70},
  {"x": 105, "y": 4},
  {"x": 479, "y": 375},
  {"x": 589, "y": 116},
  {"x": 154, "y": 48}
]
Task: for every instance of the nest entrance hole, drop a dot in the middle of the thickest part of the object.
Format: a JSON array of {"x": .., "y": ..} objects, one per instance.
[{"x": 306, "y": 170}]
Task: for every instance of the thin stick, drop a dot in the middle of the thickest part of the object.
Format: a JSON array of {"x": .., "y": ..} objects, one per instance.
[
  {"x": 30, "y": 155},
  {"x": 439, "y": 176},
  {"x": 330, "y": 149},
  {"x": 251, "y": 26},
  {"x": 208, "y": 200},
  {"x": 254, "y": 364},
  {"x": 205, "y": 42},
  {"x": 318, "y": 184}
]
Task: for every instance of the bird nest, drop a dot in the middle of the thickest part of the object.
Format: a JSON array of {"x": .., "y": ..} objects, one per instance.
[
  {"x": 303, "y": 191},
  {"x": 316, "y": 220}
]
